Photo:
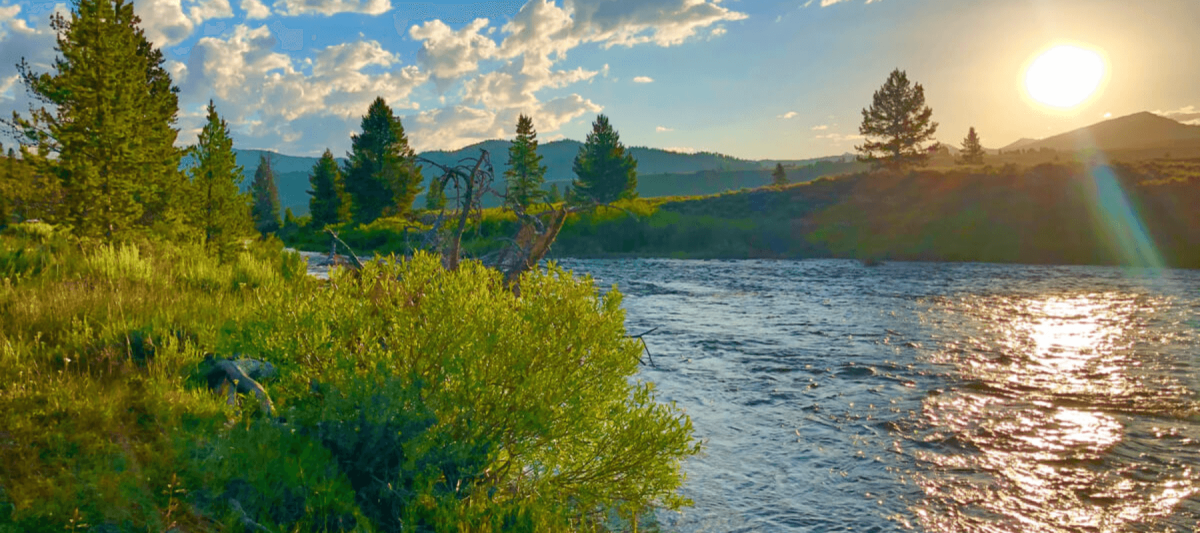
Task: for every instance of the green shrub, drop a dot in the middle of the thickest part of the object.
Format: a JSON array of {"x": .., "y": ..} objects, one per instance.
[{"x": 405, "y": 392}]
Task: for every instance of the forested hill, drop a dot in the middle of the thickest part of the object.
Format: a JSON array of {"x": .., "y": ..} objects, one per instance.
[{"x": 676, "y": 168}]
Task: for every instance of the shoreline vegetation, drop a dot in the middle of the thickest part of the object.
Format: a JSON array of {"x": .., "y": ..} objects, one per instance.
[
  {"x": 165, "y": 365},
  {"x": 1049, "y": 213},
  {"x": 403, "y": 395}
]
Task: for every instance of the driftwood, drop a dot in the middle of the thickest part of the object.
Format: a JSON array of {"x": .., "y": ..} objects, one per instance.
[
  {"x": 471, "y": 178},
  {"x": 642, "y": 337},
  {"x": 333, "y": 251},
  {"x": 238, "y": 375},
  {"x": 247, "y": 523}
]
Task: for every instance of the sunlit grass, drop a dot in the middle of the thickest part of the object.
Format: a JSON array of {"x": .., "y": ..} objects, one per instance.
[{"x": 106, "y": 417}]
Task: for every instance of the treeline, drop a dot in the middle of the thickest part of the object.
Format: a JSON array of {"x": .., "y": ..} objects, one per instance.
[{"x": 103, "y": 161}]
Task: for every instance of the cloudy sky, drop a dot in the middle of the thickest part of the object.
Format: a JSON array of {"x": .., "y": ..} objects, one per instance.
[{"x": 750, "y": 78}]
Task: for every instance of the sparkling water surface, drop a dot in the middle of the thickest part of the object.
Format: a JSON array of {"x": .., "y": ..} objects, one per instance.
[{"x": 923, "y": 396}]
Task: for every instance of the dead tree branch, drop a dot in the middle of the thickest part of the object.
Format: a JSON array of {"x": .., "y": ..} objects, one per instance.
[
  {"x": 642, "y": 337},
  {"x": 336, "y": 241}
]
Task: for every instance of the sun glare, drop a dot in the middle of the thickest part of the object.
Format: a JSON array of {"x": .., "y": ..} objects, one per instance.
[{"x": 1064, "y": 76}]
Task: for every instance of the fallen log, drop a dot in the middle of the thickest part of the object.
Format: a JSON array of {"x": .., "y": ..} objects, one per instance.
[{"x": 234, "y": 376}]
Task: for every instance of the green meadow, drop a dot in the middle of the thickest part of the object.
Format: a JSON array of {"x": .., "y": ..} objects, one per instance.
[{"x": 1048, "y": 213}]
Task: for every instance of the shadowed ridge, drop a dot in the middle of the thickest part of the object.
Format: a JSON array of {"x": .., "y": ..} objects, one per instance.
[{"x": 1131, "y": 132}]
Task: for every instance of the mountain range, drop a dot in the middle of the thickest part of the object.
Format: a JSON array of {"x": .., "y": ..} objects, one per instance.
[
  {"x": 665, "y": 172},
  {"x": 659, "y": 171}
]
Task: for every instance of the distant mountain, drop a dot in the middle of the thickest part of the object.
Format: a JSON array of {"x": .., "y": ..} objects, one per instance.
[
  {"x": 846, "y": 157},
  {"x": 664, "y": 172},
  {"x": 1139, "y": 131},
  {"x": 1020, "y": 143},
  {"x": 559, "y": 157}
]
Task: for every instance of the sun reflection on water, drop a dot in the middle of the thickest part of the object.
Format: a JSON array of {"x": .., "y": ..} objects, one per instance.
[{"x": 1036, "y": 433}]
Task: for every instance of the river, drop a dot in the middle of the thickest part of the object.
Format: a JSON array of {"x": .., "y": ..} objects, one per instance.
[{"x": 931, "y": 397}]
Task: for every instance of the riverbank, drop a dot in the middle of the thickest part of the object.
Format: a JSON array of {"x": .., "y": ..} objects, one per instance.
[
  {"x": 146, "y": 386},
  {"x": 1056, "y": 213}
]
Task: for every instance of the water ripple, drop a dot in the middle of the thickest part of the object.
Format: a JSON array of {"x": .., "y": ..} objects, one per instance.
[{"x": 936, "y": 397}]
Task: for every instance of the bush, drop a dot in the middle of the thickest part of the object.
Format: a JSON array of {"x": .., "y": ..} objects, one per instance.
[{"x": 410, "y": 397}]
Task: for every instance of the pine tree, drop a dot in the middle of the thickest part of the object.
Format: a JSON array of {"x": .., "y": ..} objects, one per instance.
[
  {"x": 972, "y": 150},
  {"x": 381, "y": 173},
  {"x": 108, "y": 143},
  {"x": 899, "y": 117},
  {"x": 779, "y": 176},
  {"x": 266, "y": 197},
  {"x": 525, "y": 172},
  {"x": 435, "y": 197},
  {"x": 606, "y": 173},
  {"x": 329, "y": 204},
  {"x": 221, "y": 211},
  {"x": 554, "y": 196}
]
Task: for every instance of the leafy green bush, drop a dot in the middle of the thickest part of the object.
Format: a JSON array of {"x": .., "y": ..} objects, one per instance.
[{"x": 409, "y": 397}]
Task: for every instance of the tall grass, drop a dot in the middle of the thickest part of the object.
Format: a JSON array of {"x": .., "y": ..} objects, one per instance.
[{"x": 407, "y": 397}]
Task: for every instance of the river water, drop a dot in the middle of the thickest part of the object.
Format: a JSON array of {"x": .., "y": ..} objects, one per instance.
[{"x": 931, "y": 397}]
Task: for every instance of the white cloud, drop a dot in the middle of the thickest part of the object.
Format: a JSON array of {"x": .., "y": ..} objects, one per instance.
[
  {"x": 662, "y": 22},
  {"x": 681, "y": 149},
  {"x": 209, "y": 9},
  {"x": 449, "y": 54},
  {"x": 661, "y": 129},
  {"x": 332, "y": 7},
  {"x": 717, "y": 31},
  {"x": 1188, "y": 115},
  {"x": 19, "y": 40},
  {"x": 788, "y": 115},
  {"x": 535, "y": 39},
  {"x": 454, "y": 127},
  {"x": 840, "y": 138},
  {"x": 164, "y": 22},
  {"x": 643, "y": 79},
  {"x": 255, "y": 9},
  {"x": 271, "y": 103},
  {"x": 822, "y": 127}
]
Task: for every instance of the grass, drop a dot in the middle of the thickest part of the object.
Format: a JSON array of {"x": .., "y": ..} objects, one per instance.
[{"x": 405, "y": 395}]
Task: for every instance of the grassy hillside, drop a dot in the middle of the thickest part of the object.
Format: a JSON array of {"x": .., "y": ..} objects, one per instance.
[
  {"x": 1063, "y": 214},
  {"x": 1060, "y": 213}
]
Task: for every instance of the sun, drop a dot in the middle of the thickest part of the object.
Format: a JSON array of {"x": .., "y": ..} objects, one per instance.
[{"x": 1064, "y": 76}]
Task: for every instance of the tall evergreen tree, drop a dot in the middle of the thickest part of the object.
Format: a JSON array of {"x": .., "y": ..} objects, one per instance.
[
  {"x": 779, "y": 176},
  {"x": 109, "y": 140},
  {"x": 553, "y": 195},
  {"x": 898, "y": 117},
  {"x": 606, "y": 173},
  {"x": 972, "y": 149},
  {"x": 220, "y": 210},
  {"x": 381, "y": 174},
  {"x": 329, "y": 203},
  {"x": 266, "y": 197},
  {"x": 525, "y": 172}
]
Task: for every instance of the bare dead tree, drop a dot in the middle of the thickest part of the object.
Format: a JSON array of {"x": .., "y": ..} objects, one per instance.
[{"x": 471, "y": 179}]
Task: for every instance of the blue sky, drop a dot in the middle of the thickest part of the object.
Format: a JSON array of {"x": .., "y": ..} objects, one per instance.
[{"x": 751, "y": 78}]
